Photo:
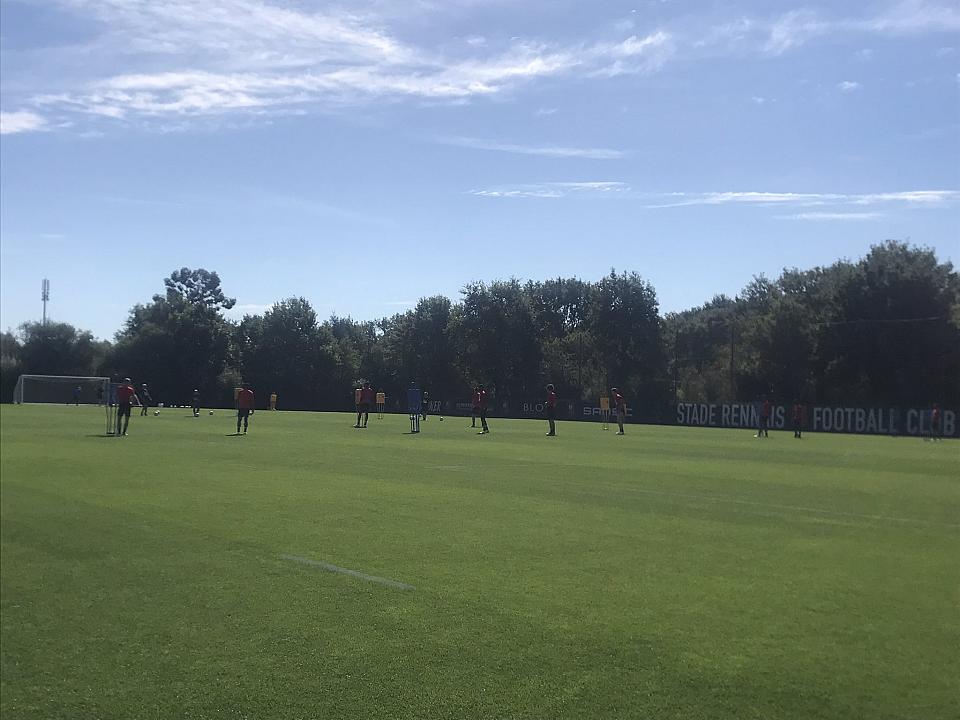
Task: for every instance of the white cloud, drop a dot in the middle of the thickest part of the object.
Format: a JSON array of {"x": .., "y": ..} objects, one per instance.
[
  {"x": 665, "y": 200},
  {"x": 543, "y": 150},
  {"x": 798, "y": 27},
  {"x": 239, "y": 310},
  {"x": 833, "y": 216},
  {"x": 258, "y": 57},
  {"x": 913, "y": 16},
  {"x": 757, "y": 100},
  {"x": 913, "y": 198},
  {"x": 848, "y": 86},
  {"x": 185, "y": 59},
  {"x": 21, "y": 121},
  {"x": 794, "y": 29},
  {"x": 554, "y": 190}
]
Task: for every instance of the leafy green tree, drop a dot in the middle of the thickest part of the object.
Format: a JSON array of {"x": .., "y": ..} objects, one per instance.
[
  {"x": 494, "y": 330},
  {"x": 288, "y": 352},
  {"x": 178, "y": 342},
  {"x": 58, "y": 349},
  {"x": 624, "y": 316},
  {"x": 890, "y": 337},
  {"x": 197, "y": 287},
  {"x": 9, "y": 365}
]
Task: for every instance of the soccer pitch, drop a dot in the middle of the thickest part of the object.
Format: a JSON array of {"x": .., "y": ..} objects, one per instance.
[{"x": 669, "y": 573}]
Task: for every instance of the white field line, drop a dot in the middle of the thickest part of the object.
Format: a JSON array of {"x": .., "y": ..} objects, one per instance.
[{"x": 346, "y": 571}]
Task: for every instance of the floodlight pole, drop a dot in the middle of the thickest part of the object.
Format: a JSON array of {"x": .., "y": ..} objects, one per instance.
[{"x": 45, "y": 296}]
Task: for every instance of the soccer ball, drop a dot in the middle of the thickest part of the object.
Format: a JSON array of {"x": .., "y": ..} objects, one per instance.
[
  {"x": 156, "y": 412},
  {"x": 441, "y": 418},
  {"x": 211, "y": 412}
]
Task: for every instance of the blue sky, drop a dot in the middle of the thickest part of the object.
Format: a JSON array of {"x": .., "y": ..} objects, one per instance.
[{"x": 366, "y": 154}]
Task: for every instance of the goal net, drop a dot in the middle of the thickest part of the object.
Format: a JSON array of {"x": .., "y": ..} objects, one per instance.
[{"x": 63, "y": 389}]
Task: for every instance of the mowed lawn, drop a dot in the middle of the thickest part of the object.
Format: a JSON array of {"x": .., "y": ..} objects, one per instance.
[{"x": 669, "y": 573}]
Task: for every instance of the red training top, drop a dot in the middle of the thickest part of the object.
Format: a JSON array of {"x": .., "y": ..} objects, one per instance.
[
  {"x": 476, "y": 399},
  {"x": 619, "y": 403},
  {"x": 797, "y": 413},
  {"x": 125, "y": 394},
  {"x": 366, "y": 395},
  {"x": 765, "y": 409},
  {"x": 482, "y": 399},
  {"x": 245, "y": 399},
  {"x": 551, "y": 399}
]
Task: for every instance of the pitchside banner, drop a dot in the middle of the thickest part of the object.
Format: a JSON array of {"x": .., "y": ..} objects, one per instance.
[
  {"x": 566, "y": 409},
  {"x": 871, "y": 421}
]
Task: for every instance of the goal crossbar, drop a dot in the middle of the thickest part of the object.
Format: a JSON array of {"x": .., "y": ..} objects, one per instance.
[{"x": 64, "y": 389}]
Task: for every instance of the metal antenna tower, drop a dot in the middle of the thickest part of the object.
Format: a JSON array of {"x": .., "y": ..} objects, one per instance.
[{"x": 45, "y": 295}]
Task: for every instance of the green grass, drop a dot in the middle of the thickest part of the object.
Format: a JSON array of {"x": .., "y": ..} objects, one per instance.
[{"x": 669, "y": 573}]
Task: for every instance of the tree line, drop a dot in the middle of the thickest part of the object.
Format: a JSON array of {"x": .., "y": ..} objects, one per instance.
[{"x": 881, "y": 330}]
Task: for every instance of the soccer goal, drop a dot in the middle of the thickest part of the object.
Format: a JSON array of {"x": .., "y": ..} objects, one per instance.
[{"x": 62, "y": 389}]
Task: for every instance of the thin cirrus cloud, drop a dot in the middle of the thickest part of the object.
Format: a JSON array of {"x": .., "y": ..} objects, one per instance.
[
  {"x": 203, "y": 92},
  {"x": 667, "y": 200},
  {"x": 542, "y": 150},
  {"x": 21, "y": 121},
  {"x": 554, "y": 190},
  {"x": 798, "y": 27},
  {"x": 184, "y": 59},
  {"x": 833, "y": 216},
  {"x": 257, "y": 57},
  {"x": 913, "y": 198}
]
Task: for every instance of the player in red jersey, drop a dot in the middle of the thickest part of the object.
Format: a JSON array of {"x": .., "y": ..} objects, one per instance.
[
  {"x": 244, "y": 408},
  {"x": 367, "y": 396},
  {"x": 551, "y": 404},
  {"x": 797, "y": 416},
  {"x": 936, "y": 432},
  {"x": 619, "y": 407},
  {"x": 126, "y": 397},
  {"x": 482, "y": 404},
  {"x": 763, "y": 430}
]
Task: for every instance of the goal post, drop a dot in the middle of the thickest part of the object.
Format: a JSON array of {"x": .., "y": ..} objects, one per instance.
[{"x": 62, "y": 389}]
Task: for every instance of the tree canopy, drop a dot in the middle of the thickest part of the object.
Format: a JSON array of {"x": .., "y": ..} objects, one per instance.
[{"x": 881, "y": 330}]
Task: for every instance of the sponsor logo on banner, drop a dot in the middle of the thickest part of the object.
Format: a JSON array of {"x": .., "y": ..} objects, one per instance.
[
  {"x": 869, "y": 421},
  {"x": 595, "y": 412}
]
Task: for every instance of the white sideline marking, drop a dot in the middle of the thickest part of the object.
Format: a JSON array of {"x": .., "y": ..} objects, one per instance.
[{"x": 345, "y": 571}]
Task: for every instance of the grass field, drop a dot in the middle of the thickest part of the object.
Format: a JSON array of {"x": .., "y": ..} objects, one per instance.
[{"x": 669, "y": 573}]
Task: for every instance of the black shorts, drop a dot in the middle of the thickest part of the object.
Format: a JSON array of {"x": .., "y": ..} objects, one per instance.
[
  {"x": 243, "y": 412},
  {"x": 363, "y": 408},
  {"x": 123, "y": 409},
  {"x": 551, "y": 412}
]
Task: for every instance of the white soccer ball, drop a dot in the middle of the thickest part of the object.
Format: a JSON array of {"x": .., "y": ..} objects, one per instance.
[
  {"x": 441, "y": 418},
  {"x": 156, "y": 412},
  {"x": 211, "y": 412}
]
